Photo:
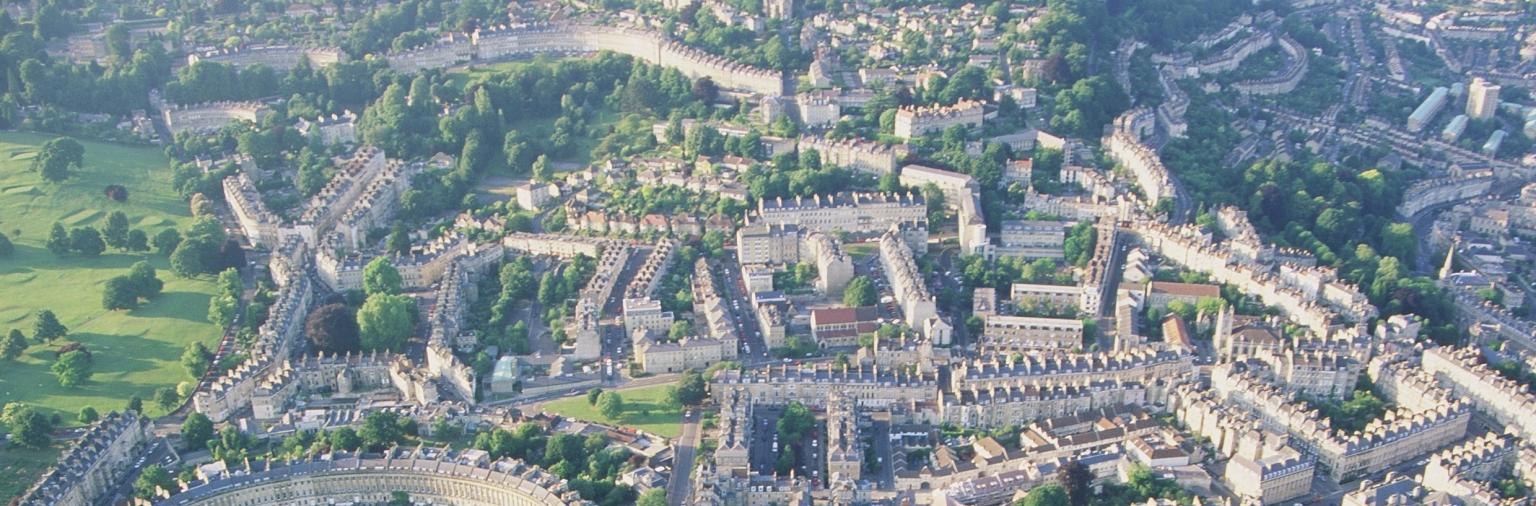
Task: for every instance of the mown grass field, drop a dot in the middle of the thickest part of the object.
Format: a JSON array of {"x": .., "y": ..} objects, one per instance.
[
  {"x": 658, "y": 418},
  {"x": 136, "y": 351}
]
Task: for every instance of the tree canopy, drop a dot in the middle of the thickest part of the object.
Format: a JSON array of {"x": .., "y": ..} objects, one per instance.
[
  {"x": 46, "y": 326},
  {"x": 73, "y": 368},
  {"x": 57, "y": 157},
  {"x": 860, "y": 292},
  {"x": 386, "y": 321},
  {"x": 333, "y": 329},
  {"x": 381, "y": 277}
]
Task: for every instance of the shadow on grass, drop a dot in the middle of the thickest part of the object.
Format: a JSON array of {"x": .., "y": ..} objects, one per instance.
[
  {"x": 187, "y": 306},
  {"x": 38, "y": 258},
  {"x": 123, "y": 353}
]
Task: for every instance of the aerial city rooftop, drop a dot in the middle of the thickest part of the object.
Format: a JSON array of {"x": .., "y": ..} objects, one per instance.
[{"x": 713, "y": 252}]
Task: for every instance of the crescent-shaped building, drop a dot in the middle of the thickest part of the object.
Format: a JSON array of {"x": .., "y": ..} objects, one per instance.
[
  {"x": 505, "y": 42},
  {"x": 432, "y": 475}
]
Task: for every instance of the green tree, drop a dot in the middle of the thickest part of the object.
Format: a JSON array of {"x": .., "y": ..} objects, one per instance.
[
  {"x": 119, "y": 42},
  {"x": 786, "y": 460},
  {"x": 192, "y": 256},
  {"x": 166, "y": 398},
  {"x": 222, "y": 309},
  {"x": 88, "y": 415},
  {"x": 333, "y": 328},
  {"x": 153, "y": 478},
  {"x": 144, "y": 280},
  {"x": 118, "y": 293},
  {"x": 381, "y": 428},
  {"x": 73, "y": 368},
  {"x": 58, "y": 240},
  {"x": 936, "y": 202},
  {"x": 196, "y": 430},
  {"x": 592, "y": 396},
  {"x": 13, "y": 345},
  {"x": 1081, "y": 239},
  {"x": 346, "y": 438},
  {"x": 1078, "y": 482},
  {"x": 515, "y": 151},
  {"x": 610, "y": 405},
  {"x": 1046, "y": 495},
  {"x": 116, "y": 230},
  {"x": 86, "y": 241},
  {"x": 551, "y": 290},
  {"x": 796, "y": 422},
  {"x": 196, "y": 358},
  {"x": 46, "y": 327},
  {"x": 28, "y": 427},
  {"x": 137, "y": 240},
  {"x": 166, "y": 241},
  {"x": 541, "y": 168},
  {"x": 57, "y": 157},
  {"x": 446, "y": 430},
  {"x": 691, "y": 389},
  {"x": 680, "y": 329},
  {"x": 381, "y": 277},
  {"x": 135, "y": 404},
  {"x": 1397, "y": 240},
  {"x": 399, "y": 241},
  {"x": 230, "y": 283},
  {"x": 399, "y": 498},
  {"x": 385, "y": 322},
  {"x": 201, "y": 206},
  {"x": 860, "y": 292},
  {"x": 653, "y": 497}
]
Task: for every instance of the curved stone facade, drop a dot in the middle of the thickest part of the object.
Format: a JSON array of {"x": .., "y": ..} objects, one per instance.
[
  {"x": 1284, "y": 81},
  {"x": 279, "y": 58},
  {"x": 507, "y": 42},
  {"x": 210, "y": 117},
  {"x": 428, "y": 476}
]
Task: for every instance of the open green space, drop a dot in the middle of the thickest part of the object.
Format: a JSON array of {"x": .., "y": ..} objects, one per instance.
[
  {"x": 20, "y": 467},
  {"x": 135, "y": 351},
  {"x": 645, "y": 408},
  {"x": 459, "y": 76}
]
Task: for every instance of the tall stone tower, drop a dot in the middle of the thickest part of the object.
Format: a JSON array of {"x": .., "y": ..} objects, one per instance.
[{"x": 1222, "y": 337}]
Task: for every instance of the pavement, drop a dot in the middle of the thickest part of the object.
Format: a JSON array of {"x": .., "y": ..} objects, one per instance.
[
  {"x": 160, "y": 453},
  {"x": 753, "y": 349},
  {"x": 681, "y": 484}
]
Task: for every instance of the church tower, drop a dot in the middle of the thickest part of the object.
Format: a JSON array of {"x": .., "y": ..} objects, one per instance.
[{"x": 1450, "y": 260}]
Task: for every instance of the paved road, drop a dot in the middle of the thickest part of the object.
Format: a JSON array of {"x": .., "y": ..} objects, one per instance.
[
  {"x": 681, "y": 484},
  {"x": 749, "y": 331}
]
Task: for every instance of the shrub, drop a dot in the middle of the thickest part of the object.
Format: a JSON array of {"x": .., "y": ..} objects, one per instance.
[{"x": 116, "y": 192}]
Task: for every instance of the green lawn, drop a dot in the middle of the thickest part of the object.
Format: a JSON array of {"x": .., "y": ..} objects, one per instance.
[
  {"x": 861, "y": 250},
  {"x": 460, "y": 76},
  {"x": 20, "y": 467},
  {"x": 661, "y": 419},
  {"x": 136, "y": 351}
]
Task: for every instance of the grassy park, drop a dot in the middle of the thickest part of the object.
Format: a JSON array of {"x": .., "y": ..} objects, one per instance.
[
  {"x": 645, "y": 408},
  {"x": 136, "y": 351}
]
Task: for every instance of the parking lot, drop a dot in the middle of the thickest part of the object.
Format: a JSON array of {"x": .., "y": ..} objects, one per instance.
[{"x": 766, "y": 446}]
